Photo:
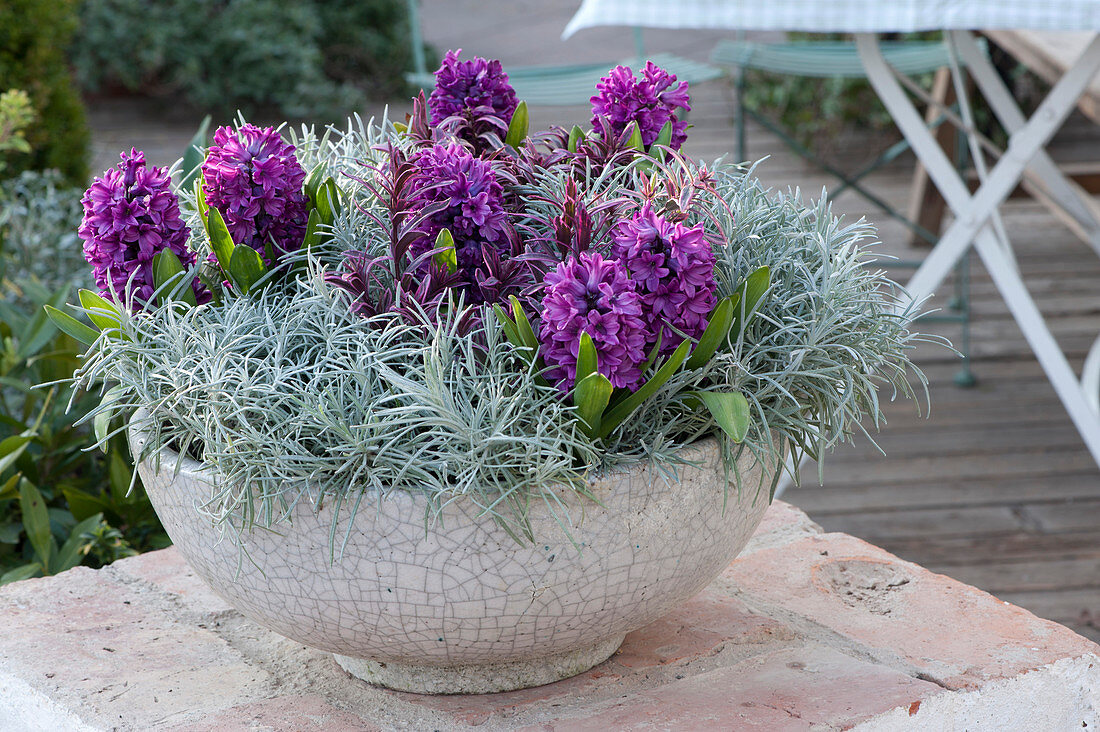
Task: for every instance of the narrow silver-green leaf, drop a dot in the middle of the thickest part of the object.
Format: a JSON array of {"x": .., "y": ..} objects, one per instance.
[
  {"x": 730, "y": 410},
  {"x": 101, "y": 423}
]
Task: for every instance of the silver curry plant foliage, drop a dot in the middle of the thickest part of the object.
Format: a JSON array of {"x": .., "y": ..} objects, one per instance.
[{"x": 374, "y": 359}]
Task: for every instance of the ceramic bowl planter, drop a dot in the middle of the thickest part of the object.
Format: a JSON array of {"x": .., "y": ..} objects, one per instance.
[{"x": 458, "y": 606}]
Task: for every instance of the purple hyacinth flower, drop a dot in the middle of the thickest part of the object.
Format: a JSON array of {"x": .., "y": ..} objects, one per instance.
[
  {"x": 672, "y": 267},
  {"x": 651, "y": 101},
  {"x": 473, "y": 208},
  {"x": 130, "y": 216},
  {"x": 253, "y": 178},
  {"x": 476, "y": 85},
  {"x": 591, "y": 294}
]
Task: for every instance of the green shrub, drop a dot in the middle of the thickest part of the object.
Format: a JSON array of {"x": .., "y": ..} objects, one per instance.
[
  {"x": 59, "y": 505},
  {"x": 33, "y": 39},
  {"x": 306, "y": 59},
  {"x": 367, "y": 44},
  {"x": 16, "y": 114},
  {"x": 39, "y": 214}
]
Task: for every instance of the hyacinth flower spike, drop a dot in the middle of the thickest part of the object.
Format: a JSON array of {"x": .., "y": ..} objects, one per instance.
[
  {"x": 650, "y": 101},
  {"x": 130, "y": 217},
  {"x": 473, "y": 100}
]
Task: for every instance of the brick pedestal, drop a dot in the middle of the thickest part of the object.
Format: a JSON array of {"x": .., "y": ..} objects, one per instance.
[{"x": 805, "y": 630}]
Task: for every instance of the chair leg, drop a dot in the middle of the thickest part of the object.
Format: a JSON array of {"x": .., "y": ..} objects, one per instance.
[
  {"x": 965, "y": 377},
  {"x": 926, "y": 205},
  {"x": 739, "y": 114}
]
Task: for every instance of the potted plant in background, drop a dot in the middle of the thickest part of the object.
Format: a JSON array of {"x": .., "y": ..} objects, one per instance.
[{"x": 464, "y": 404}]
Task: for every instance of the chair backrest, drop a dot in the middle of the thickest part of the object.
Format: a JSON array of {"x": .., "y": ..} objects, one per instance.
[{"x": 830, "y": 58}]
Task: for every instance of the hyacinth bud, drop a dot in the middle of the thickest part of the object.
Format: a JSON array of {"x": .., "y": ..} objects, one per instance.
[
  {"x": 473, "y": 97},
  {"x": 573, "y": 226},
  {"x": 650, "y": 101},
  {"x": 253, "y": 178},
  {"x": 130, "y": 216}
]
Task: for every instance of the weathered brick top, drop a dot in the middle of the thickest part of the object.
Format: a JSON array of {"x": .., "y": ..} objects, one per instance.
[{"x": 805, "y": 630}]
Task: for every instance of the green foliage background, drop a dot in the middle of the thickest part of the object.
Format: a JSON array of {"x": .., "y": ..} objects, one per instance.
[
  {"x": 33, "y": 37},
  {"x": 306, "y": 59}
]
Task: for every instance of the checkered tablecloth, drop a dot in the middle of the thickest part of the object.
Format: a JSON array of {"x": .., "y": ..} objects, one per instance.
[{"x": 852, "y": 16}]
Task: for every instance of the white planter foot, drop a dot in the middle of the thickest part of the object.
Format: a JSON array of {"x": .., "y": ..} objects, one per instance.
[{"x": 480, "y": 678}]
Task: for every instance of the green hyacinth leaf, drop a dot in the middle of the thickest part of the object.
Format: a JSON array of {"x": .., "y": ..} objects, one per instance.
[
  {"x": 664, "y": 137},
  {"x": 622, "y": 410},
  {"x": 730, "y": 410},
  {"x": 590, "y": 397},
  {"x": 575, "y": 136},
  {"x": 445, "y": 255},
  {"x": 523, "y": 325},
  {"x": 313, "y": 183},
  {"x": 718, "y": 328},
  {"x": 635, "y": 139},
  {"x": 103, "y": 313},
  {"x": 655, "y": 351},
  {"x": 168, "y": 271},
  {"x": 200, "y": 202},
  {"x": 313, "y": 236},
  {"x": 519, "y": 126},
  {"x": 246, "y": 268},
  {"x": 751, "y": 291},
  {"x": 587, "y": 359},
  {"x": 71, "y": 326},
  {"x": 511, "y": 332},
  {"x": 328, "y": 201},
  {"x": 220, "y": 239}
]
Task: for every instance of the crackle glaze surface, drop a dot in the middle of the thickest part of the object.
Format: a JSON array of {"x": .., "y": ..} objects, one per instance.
[{"x": 463, "y": 593}]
